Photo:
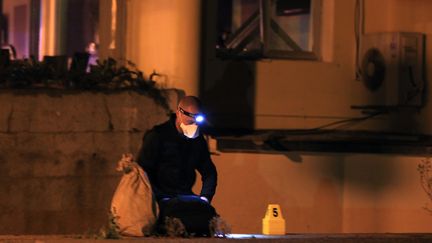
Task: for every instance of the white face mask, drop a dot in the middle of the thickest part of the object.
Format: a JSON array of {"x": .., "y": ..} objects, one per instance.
[{"x": 190, "y": 131}]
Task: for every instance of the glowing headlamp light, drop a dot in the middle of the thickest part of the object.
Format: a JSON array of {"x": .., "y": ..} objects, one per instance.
[{"x": 199, "y": 118}]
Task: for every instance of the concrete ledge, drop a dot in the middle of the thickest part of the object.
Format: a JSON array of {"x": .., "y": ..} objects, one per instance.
[{"x": 66, "y": 111}]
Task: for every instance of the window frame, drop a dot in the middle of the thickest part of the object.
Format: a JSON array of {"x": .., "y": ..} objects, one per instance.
[{"x": 266, "y": 51}]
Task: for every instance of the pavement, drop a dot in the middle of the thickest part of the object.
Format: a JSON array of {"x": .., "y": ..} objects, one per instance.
[{"x": 238, "y": 238}]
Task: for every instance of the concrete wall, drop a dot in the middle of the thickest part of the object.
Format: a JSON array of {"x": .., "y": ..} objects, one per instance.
[
  {"x": 58, "y": 154},
  {"x": 323, "y": 192}
]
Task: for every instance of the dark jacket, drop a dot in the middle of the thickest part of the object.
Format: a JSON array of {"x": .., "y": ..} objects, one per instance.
[{"x": 170, "y": 159}]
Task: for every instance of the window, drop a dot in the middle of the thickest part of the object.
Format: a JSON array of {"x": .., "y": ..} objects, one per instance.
[
  {"x": 268, "y": 29},
  {"x": 34, "y": 27},
  {"x": 49, "y": 28}
]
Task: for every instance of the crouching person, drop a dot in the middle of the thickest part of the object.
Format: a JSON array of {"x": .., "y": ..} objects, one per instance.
[{"x": 171, "y": 154}]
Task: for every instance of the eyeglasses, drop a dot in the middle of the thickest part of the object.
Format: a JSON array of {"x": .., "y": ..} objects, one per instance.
[{"x": 197, "y": 117}]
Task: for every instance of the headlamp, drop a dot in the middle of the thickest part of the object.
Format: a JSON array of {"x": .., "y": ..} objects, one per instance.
[{"x": 199, "y": 118}]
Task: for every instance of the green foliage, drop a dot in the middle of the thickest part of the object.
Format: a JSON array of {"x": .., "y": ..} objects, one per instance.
[{"x": 106, "y": 75}]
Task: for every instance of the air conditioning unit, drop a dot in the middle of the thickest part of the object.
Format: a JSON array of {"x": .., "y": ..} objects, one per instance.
[{"x": 392, "y": 68}]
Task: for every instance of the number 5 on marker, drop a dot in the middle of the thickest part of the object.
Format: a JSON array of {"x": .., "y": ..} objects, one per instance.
[
  {"x": 275, "y": 212},
  {"x": 273, "y": 222}
]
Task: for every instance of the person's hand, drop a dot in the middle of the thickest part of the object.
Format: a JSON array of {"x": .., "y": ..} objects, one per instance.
[
  {"x": 128, "y": 157},
  {"x": 124, "y": 162},
  {"x": 204, "y": 199}
]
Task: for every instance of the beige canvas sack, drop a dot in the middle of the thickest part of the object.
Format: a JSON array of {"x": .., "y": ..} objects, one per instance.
[{"x": 133, "y": 205}]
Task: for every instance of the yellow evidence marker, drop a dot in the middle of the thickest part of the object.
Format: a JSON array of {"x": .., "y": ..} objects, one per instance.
[{"x": 273, "y": 223}]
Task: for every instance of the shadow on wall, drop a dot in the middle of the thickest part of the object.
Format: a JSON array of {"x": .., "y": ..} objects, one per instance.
[
  {"x": 230, "y": 100},
  {"x": 368, "y": 173},
  {"x": 227, "y": 86}
]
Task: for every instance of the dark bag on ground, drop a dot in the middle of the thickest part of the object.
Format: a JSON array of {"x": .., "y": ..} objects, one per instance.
[{"x": 194, "y": 213}]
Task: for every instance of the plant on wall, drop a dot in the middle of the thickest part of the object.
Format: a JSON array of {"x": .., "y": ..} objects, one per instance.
[
  {"x": 425, "y": 170},
  {"x": 53, "y": 74}
]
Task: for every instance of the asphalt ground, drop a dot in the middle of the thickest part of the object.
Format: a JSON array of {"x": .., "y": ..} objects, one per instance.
[{"x": 241, "y": 238}]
